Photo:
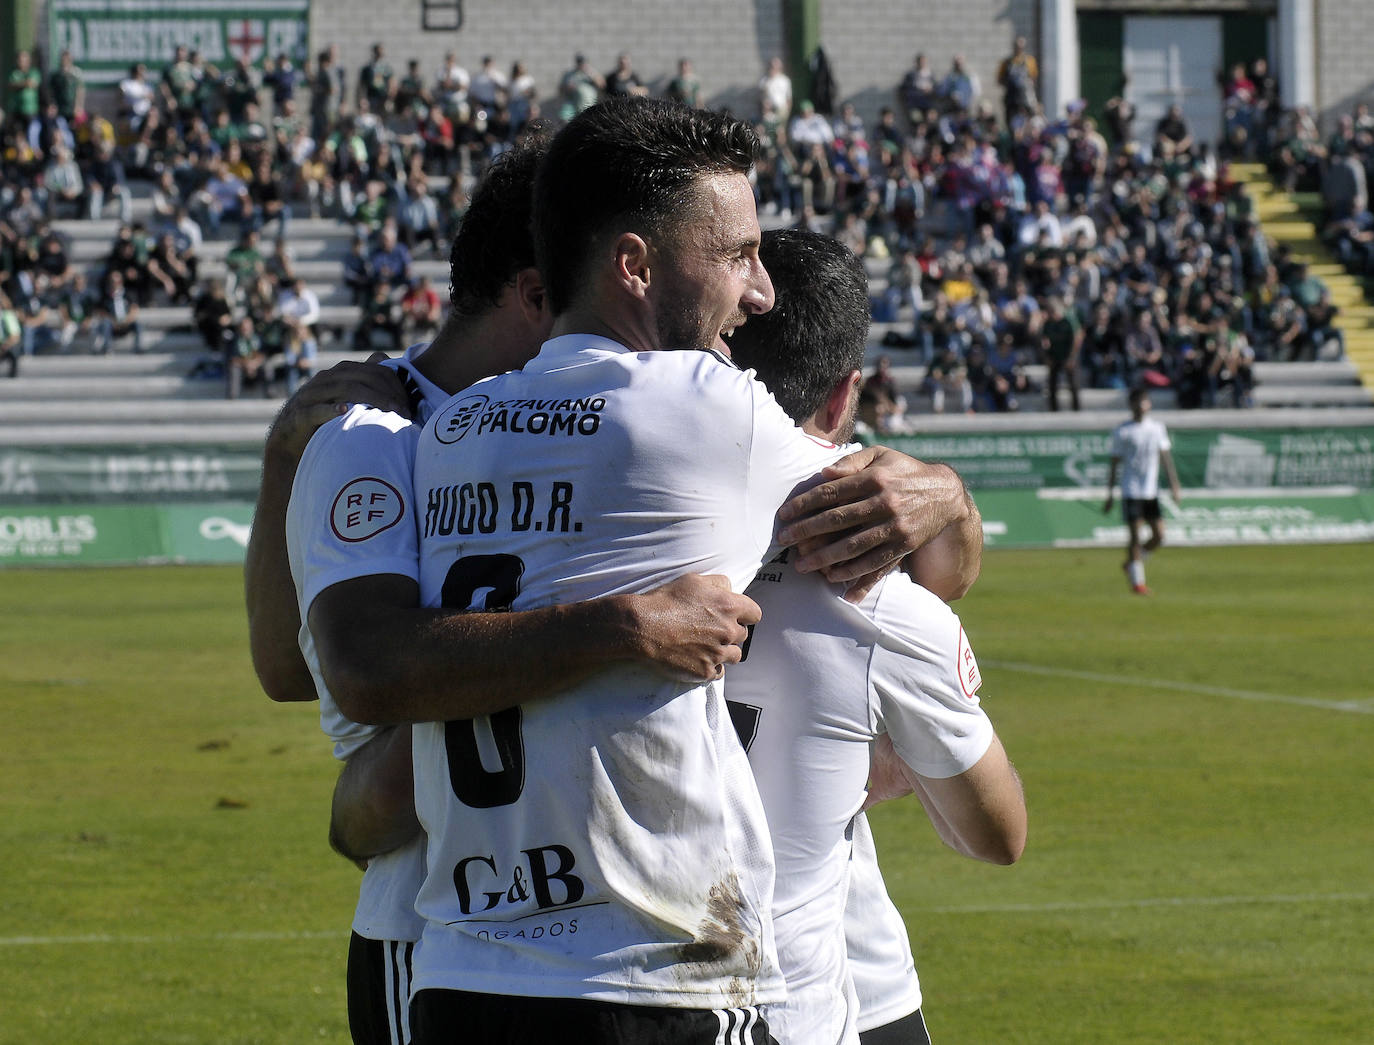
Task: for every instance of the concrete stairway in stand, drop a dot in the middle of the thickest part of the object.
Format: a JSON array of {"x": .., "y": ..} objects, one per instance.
[{"x": 1294, "y": 220}]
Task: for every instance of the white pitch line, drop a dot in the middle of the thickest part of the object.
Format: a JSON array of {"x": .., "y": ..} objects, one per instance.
[
  {"x": 47, "y": 941},
  {"x": 1357, "y": 707},
  {"x": 1009, "y": 908},
  {"x": 1162, "y": 901}
]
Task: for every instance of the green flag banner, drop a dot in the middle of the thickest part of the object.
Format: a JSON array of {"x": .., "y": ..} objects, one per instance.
[{"x": 106, "y": 37}]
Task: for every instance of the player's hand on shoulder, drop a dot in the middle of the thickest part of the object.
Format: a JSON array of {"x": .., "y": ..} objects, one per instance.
[
  {"x": 691, "y": 627},
  {"x": 875, "y": 506},
  {"x": 329, "y": 394}
]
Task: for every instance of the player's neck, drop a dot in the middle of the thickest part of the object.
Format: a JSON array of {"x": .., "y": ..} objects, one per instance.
[{"x": 468, "y": 349}]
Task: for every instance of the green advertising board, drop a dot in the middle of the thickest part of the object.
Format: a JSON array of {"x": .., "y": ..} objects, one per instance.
[
  {"x": 130, "y": 504},
  {"x": 106, "y": 37},
  {"x": 1236, "y": 458},
  {"x": 107, "y": 534},
  {"x": 1074, "y": 518},
  {"x": 129, "y": 474}
]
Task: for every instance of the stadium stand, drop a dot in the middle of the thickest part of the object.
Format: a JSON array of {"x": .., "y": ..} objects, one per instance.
[{"x": 993, "y": 251}]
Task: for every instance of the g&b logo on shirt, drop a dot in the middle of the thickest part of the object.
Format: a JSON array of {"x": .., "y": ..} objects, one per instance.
[
  {"x": 456, "y": 421},
  {"x": 365, "y": 508}
]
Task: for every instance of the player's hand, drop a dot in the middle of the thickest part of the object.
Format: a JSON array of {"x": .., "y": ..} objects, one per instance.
[
  {"x": 1107, "y": 505},
  {"x": 692, "y": 627},
  {"x": 885, "y": 778},
  {"x": 875, "y": 507},
  {"x": 328, "y": 394}
]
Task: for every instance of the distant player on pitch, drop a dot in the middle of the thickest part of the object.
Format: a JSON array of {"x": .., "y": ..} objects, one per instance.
[{"x": 1138, "y": 445}]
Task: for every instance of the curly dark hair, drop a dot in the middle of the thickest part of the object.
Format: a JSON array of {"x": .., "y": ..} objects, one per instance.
[{"x": 494, "y": 241}]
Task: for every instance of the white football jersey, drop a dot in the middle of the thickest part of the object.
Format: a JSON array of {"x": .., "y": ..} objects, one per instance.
[
  {"x": 1138, "y": 444},
  {"x": 350, "y": 516},
  {"x": 875, "y": 941},
  {"x": 609, "y": 842},
  {"x": 822, "y": 677}
]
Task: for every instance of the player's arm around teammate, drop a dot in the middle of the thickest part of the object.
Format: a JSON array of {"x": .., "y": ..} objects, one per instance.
[
  {"x": 877, "y": 506},
  {"x": 269, "y": 593},
  {"x": 980, "y": 813}
]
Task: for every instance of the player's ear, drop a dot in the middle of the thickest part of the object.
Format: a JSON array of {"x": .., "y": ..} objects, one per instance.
[
  {"x": 531, "y": 295},
  {"x": 842, "y": 401},
  {"x": 632, "y": 264}
]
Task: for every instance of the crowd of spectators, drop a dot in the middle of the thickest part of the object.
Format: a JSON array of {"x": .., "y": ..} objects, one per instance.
[
  {"x": 1013, "y": 237},
  {"x": 1008, "y": 236}
]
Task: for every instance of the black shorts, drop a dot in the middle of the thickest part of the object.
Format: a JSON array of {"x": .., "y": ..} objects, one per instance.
[
  {"x": 1133, "y": 509},
  {"x": 909, "y": 1030},
  {"x": 460, "y": 1017},
  {"x": 379, "y": 991}
]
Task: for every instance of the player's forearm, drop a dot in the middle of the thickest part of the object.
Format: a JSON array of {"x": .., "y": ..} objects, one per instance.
[
  {"x": 980, "y": 813},
  {"x": 373, "y": 810},
  {"x": 270, "y": 596},
  {"x": 950, "y": 563},
  {"x": 388, "y": 665}
]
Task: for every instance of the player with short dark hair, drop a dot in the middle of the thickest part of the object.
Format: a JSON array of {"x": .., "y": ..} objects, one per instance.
[
  {"x": 823, "y": 678},
  {"x": 363, "y": 824},
  {"x": 603, "y": 857},
  {"x": 351, "y": 550},
  {"x": 1138, "y": 447}
]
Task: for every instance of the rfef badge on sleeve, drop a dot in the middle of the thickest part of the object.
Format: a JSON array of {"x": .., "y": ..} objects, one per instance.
[
  {"x": 365, "y": 508},
  {"x": 970, "y": 678}
]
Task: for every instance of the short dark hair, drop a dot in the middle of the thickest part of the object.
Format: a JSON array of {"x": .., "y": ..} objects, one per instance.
[
  {"x": 494, "y": 242},
  {"x": 629, "y": 162},
  {"x": 817, "y": 330}
]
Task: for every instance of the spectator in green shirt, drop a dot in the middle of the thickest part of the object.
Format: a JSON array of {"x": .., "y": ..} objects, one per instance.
[
  {"x": 67, "y": 88},
  {"x": 1062, "y": 338},
  {"x": 24, "y": 83},
  {"x": 11, "y": 334}
]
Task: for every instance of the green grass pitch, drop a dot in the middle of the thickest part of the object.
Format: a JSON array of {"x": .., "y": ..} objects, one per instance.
[{"x": 1197, "y": 766}]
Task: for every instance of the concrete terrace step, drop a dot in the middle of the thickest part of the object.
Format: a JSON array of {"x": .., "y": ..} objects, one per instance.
[
  {"x": 230, "y": 433},
  {"x": 164, "y": 317},
  {"x": 147, "y": 387},
  {"x": 140, "y": 411},
  {"x": 105, "y": 229},
  {"x": 1312, "y": 395}
]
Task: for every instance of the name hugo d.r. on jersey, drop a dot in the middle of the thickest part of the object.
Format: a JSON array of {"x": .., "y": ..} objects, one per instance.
[{"x": 518, "y": 506}]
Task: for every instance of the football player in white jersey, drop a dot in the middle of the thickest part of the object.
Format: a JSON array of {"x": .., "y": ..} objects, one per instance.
[
  {"x": 603, "y": 856},
  {"x": 822, "y": 678},
  {"x": 350, "y": 521},
  {"x": 1138, "y": 447},
  {"x": 677, "y": 628}
]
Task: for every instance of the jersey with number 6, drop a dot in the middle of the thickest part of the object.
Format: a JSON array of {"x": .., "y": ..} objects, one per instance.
[
  {"x": 822, "y": 677},
  {"x": 609, "y": 842},
  {"x": 350, "y": 516}
]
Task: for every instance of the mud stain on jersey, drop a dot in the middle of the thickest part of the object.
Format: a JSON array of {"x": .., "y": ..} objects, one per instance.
[{"x": 719, "y": 935}]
